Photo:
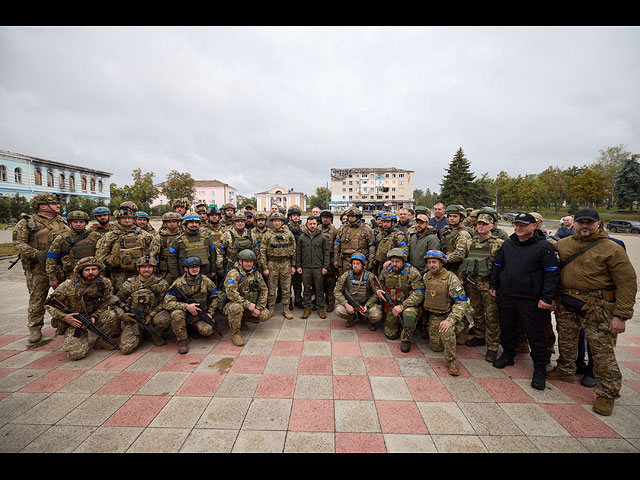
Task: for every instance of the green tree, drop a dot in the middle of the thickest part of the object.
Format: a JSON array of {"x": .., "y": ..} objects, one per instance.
[
  {"x": 179, "y": 185},
  {"x": 555, "y": 187},
  {"x": 590, "y": 187},
  {"x": 141, "y": 192},
  {"x": 608, "y": 164},
  {"x": 483, "y": 191},
  {"x": 244, "y": 201},
  {"x": 321, "y": 199},
  {"x": 457, "y": 185},
  {"x": 627, "y": 185}
]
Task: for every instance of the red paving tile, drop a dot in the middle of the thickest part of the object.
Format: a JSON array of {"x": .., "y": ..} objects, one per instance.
[
  {"x": 635, "y": 351},
  {"x": 226, "y": 347},
  {"x": 4, "y": 394},
  {"x": 201, "y": 384},
  {"x": 428, "y": 389},
  {"x": 4, "y": 354},
  {"x": 400, "y": 417},
  {"x": 187, "y": 362},
  {"x": 346, "y": 349},
  {"x": 360, "y": 443},
  {"x": 276, "y": 386},
  {"x": 365, "y": 336},
  {"x": 287, "y": 348},
  {"x": 352, "y": 387},
  {"x": 579, "y": 422},
  {"x": 635, "y": 338},
  {"x": 635, "y": 366},
  {"x": 52, "y": 381},
  {"x": 118, "y": 361},
  {"x": 317, "y": 335},
  {"x": 413, "y": 353},
  {"x": 339, "y": 325},
  {"x": 53, "y": 344},
  {"x": 462, "y": 351},
  {"x": 170, "y": 347},
  {"x": 504, "y": 390},
  {"x": 50, "y": 361},
  {"x": 439, "y": 365},
  {"x": 308, "y": 415},
  {"x": 315, "y": 366},
  {"x": 126, "y": 383},
  {"x": 519, "y": 370},
  {"x": 575, "y": 391},
  {"x": 6, "y": 371},
  {"x": 138, "y": 411},
  {"x": 382, "y": 367},
  {"x": 249, "y": 364},
  {"x": 634, "y": 384}
]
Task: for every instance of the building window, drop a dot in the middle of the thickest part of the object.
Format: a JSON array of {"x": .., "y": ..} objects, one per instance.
[
  {"x": 61, "y": 181},
  {"x": 3, "y": 173},
  {"x": 17, "y": 175},
  {"x": 100, "y": 186},
  {"x": 83, "y": 183},
  {"x": 37, "y": 176},
  {"x": 49, "y": 178},
  {"x": 72, "y": 183},
  {"x": 93, "y": 184}
]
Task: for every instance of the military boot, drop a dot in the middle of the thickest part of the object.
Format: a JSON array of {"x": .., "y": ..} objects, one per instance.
[
  {"x": 183, "y": 346},
  {"x": 157, "y": 341},
  {"x": 453, "y": 368},
  {"x": 503, "y": 361},
  {"x": 330, "y": 306},
  {"x": 372, "y": 327},
  {"x": 349, "y": 322},
  {"x": 556, "y": 374},
  {"x": 476, "y": 342},
  {"x": 539, "y": 376},
  {"x": 306, "y": 313},
  {"x": 237, "y": 339},
  {"x": 287, "y": 313},
  {"x": 405, "y": 346},
  {"x": 35, "y": 336},
  {"x": 321, "y": 313},
  {"x": 102, "y": 344},
  {"x": 491, "y": 356},
  {"x": 603, "y": 406}
]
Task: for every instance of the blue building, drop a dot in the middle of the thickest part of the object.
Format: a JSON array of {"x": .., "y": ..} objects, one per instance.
[{"x": 28, "y": 176}]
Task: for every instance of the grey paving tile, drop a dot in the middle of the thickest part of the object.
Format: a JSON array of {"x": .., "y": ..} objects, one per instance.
[
  {"x": 409, "y": 443},
  {"x": 356, "y": 416},
  {"x": 209, "y": 441},
  {"x": 159, "y": 440},
  {"x": 508, "y": 444},
  {"x": 52, "y": 409},
  {"x": 224, "y": 413},
  {"x": 310, "y": 442},
  {"x": 14, "y": 437},
  {"x": 59, "y": 439},
  {"x": 444, "y": 418},
  {"x": 534, "y": 420},
  {"x": 459, "y": 444},
  {"x": 180, "y": 412},
  {"x": 260, "y": 441},
  {"x": 94, "y": 411},
  {"x": 268, "y": 414}
]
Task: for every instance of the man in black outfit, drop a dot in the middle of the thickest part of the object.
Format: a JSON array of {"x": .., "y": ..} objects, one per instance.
[{"x": 524, "y": 278}]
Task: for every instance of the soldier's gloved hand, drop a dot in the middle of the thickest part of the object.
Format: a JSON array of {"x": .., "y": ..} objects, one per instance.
[
  {"x": 147, "y": 318},
  {"x": 127, "y": 317}
]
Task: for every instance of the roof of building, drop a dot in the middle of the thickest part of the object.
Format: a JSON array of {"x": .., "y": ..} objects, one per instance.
[
  {"x": 31, "y": 158},
  {"x": 284, "y": 190}
]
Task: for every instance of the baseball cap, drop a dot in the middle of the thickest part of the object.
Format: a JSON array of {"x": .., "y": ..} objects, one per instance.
[
  {"x": 586, "y": 213},
  {"x": 486, "y": 218},
  {"x": 524, "y": 218}
]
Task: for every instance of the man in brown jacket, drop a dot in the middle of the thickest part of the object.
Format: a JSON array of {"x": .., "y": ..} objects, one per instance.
[{"x": 597, "y": 292}]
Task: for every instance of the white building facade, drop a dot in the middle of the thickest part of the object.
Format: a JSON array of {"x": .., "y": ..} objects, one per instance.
[
  {"x": 281, "y": 196},
  {"x": 211, "y": 192}
]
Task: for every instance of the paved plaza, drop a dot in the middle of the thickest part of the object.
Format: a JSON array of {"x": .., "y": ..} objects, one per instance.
[{"x": 295, "y": 386}]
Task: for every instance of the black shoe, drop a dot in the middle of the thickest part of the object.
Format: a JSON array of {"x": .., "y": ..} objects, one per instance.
[
  {"x": 539, "y": 378},
  {"x": 588, "y": 381},
  {"x": 471, "y": 331},
  {"x": 405, "y": 346},
  {"x": 503, "y": 360},
  {"x": 475, "y": 342},
  {"x": 299, "y": 304}
]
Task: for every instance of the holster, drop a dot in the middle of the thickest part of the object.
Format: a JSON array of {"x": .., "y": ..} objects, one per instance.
[{"x": 572, "y": 304}]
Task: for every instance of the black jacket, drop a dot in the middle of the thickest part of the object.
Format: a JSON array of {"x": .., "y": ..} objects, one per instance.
[{"x": 529, "y": 269}]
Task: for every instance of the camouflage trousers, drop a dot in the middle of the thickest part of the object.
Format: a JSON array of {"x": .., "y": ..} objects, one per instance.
[
  {"x": 236, "y": 314},
  {"x": 132, "y": 333},
  {"x": 392, "y": 326},
  {"x": 279, "y": 275},
  {"x": 119, "y": 277},
  {"x": 179, "y": 325},
  {"x": 486, "y": 323},
  {"x": 375, "y": 313},
  {"x": 446, "y": 341},
  {"x": 38, "y": 287},
  {"x": 76, "y": 348},
  {"x": 601, "y": 341},
  {"x": 329, "y": 284}
]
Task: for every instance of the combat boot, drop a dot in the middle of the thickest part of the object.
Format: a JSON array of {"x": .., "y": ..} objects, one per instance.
[
  {"x": 539, "y": 376},
  {"x": 157, "y": 341},
  {"x": 603, "y": 406},
  {"x": 588, "y": 381},
  {"x": 405, "y": 346},
  {"x": 453, "y": 368},
  {"x": 349, "y": 322},
  {"x": 330, "y": 306},
  {"x": 183, "y": 346},
  {"x": 476, "y": 342},
  {"x": 237, "y": 340},
  {"x": 491, "y": 356},
  {"x": 287, "y": 313},
  {"x": 306, "y": 313},
  {"x": 503, "y": 361},
  {"x": 35, "y": 336},
  {"x": 102, "y": 344},
  {"x": 321, "y": 313},
  {"x": 556, "y": 374},
  {"x": 373, "y": 327}
]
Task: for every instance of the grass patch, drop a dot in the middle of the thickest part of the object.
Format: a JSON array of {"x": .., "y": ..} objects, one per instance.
[{"x": 6, "y": 250}]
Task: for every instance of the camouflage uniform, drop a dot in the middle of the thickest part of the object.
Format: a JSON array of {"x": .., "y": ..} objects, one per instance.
[
  {"x": 242, "y": 288},
  {"x": 90, "y": 300},
  {"x": 258, "y": 235},
  {"x": 147, "y": 227},
  {"x": 226, "y": 222},
  {"x": 296, "y": 278},
  {"x": 277, "y": 254},
  {"x": 351, "y": 238},
  {"x": 386, "y": 240},
  {"x": 161, "y": 244},
  {"x": 32, "y": 237},
  {"x": 145, "y": 296},
  {"x": 191, "y": 244},
  {"x": 363, "y": 288},
  {"x": 233, "y": 242},
  {"x": 455, "y": 240}
]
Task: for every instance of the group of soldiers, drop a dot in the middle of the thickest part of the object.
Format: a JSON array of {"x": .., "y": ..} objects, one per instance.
[{"x": 406, "y": 270}]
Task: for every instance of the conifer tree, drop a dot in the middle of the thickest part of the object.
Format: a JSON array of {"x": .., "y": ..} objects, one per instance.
[
  {"x": 627, "y": 186},
  {"x": 457, "y": 186}
]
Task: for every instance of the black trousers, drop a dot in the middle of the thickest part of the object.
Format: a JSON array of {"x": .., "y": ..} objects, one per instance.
[{"x": 512, "y": 309}]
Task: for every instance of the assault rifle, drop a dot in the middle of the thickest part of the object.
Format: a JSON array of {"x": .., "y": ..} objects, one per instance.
[
  {"x": 353, "y": 301},
  {"x": 13, "y": 264},
  {"x": 86, "y": 322},
  {"x": 202, "y": 307},
  {"x": 139, "y": 316},
  {"x": 387, "y": 298}
]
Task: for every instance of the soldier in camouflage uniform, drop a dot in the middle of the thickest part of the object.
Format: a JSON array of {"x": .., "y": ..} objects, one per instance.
[
  {"x": 277, "y": 256},
  {"x": 181, "y": 205},
  {"x": 446, "y": 305},
  {"x": 354, "y": 236},
  {"x": 87, "y": 292},
  {"x": 329, "y": 230},
  {"x": 388, "y": 237},
  {"x": 233, "y": 241},
  {"x": 294, "y": 224},
  {"x": 472, "y": 219},
  {"x": 214, "y": 225},
  {"x": 455, "y": 237},
  {"x": 169, "y": 230},
  {"x": 192, "y": 243},
  {"x": 404, "y": 284},
  {"x": 476, "y": 271},
  {"x": 67, "y": 249},
  {"x": 359, "y": 283},
  {"x": 201, "y": 210},
  {"x": 202, "y": 289},
  {"x": 144, "y": 292},
  {"x": 32, "y": 237},
  {"x": 496, "y": 231},
  {"x": 119, "y": 248},
  {"x": 142, "y": 222},
  {"x": 103, "y": 216},
  {"x": 246, "y": 295},
  {"x": 228, "y": 211},
  {"x": 597, "y": 292}
]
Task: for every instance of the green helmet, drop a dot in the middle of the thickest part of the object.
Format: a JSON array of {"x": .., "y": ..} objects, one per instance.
[
  {"x": 228, "y": 205},
  {"x": 43, "y": 199},
  {"x": 247, "y": 254},
  {"x": 437, "y": 254},
  {"x": 171, "y": 216},
  {"x": 456, "y": 209},
  {"x": 238, "y": 216},
  {"x": 277, "y": 216},
  {"x": 146, "y": 260},
  {"x": 88, "y": 262},
  {"x": 353, "y": 211},
  {"x": 78, "y": 215},
  {"x": 213, "y": 211},
  {"x": 489, "y": 211},
  {"x": 397, "y": 252},
  {"x": 126, "y": 209},
  {"x": 261, "y": 216}
]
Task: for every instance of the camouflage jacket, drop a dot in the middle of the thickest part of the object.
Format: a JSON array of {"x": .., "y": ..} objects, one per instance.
[
  {"x": 454, "y": 243},
  {"x": 188, "y": 244},
  {"x": 388, "y": 239},
  {"x": 444, "y": 293},
  {"x": 362, "y": 287},
  {"x": 277, "y": 244},
  {"x": 148, "y": 296},
  {"x": 200, "y": 288},
  {"x": 405, "y": 287},
  {"x": 116, "y": 252},
  {"x": 351, "y": 238},
  {"x": 67, "y": 249},
  {"x": 32, "y": 237},
  {"x": 246, "y": 287},
  {"x": 233, "y": 242}
]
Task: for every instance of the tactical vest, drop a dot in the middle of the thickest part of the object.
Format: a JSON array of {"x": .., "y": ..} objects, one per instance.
[
  {"x": 216, "y": 232},
  {"x": 86, "y": 299},
  {"x": 398, "y": 284},
  {"x": 248, "y": 286},
  {"x": 478, "y": 261},
  {"x": 145, "y": 297},
  {"x": 241, "y": 242},
  {"x": 358, "y": 287},
  {"x": 436, "y": 294},
  {"x": 43, "y": 231},
  {"x": 165, "y": 243},
  {"x": 280, "y": 244},
  {"x": 384, "y": 245},
  {"x": 84, "y": 248},
  {"x": 197, "y": 291},
  {"x": 128, "y": 248},
  {"x": 194, "y": 246},
  {"x": 349, "y": 244}
]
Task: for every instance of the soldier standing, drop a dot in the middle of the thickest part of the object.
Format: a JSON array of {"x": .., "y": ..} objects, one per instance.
[
  {"x": 201, "y": 210},
  {"x": 214, "y": 225},
  {"x": 277, "y": 257},
  {"x": 142, "y": 222},
  {"x": 405, "y": 287},
  {"x": 329, "y": 230},
  {"x": 228, "y": 211},
  {"x": 423, "y": 239},
  {"x": 169, "y": 230},
  {"x": 181, "y": 205},
  {"x": 354, "y": 236},
  {"x": 496, "y": 231},
  {"x": 103, "y": 217},
  {"x": 597, "y": 292},
  {"x": 446, "y": 305},
  {"x": 295, "y": 226},
  {"x": 192, "y": 243},
  {"x": 455, "y": 237},
  {"x": 67, "y": 249},
  {"x": 388, "y": 237},
  {"x": 87, "y": 292},
  {"x": 246, "y": 295},
  {"x": 144, "y": 292},
  {"x": 360, "y": 283},
  {"x": 32, "y": 238},
  {"x": 312, "y": 263},
  {"x": 233, "y": 241}
]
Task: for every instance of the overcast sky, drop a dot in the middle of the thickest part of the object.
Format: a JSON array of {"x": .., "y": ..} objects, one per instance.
[{"x": 255, "y": 107}]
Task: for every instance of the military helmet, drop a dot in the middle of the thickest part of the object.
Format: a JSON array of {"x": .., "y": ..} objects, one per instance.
[
  {"x": 456, "y": 209},
  {"x": 126, "y": 209},
  {"x": 537, "y": 216},
  {"x": 489, "y": 211},
  {"x": 397, "y": 252},
  {"x": 142, "y": 214},
  {"x": 486, "y": 218},
  {"x": 146, "y": 260},
  {"x": 389, "y": 216},
  {"x": 78, "y": 215},
  {"x": 101, "y": 210},
  {"x": 236, "y": 217},
  {"x": 181, "y": 202},
  {"x": 91, "y": 261},
  {"x": 261, "y": 215},
  {"x": 277, "y": 216},
  {"x": 358, "y": 256},
  {"x": 228, "y": 205},
  {"x": 213, "y": 211},
  {"x": 191, "y": 217},
  {"x": 192, "y": 262},
  {"x": 247, "y": 254},
  {"x": 43, "y": 199},
  {"x": 474, "y": 213},
  {"x": 353, "y": 211},
  {"x": 438, "y": 255},
  {"x": 171, "y": 216},
  {"x": 421, "y": 209},
  {"x": 294, "y": 209},
  {"x": 201, "y": 207},
  {"x": 326, "y": 213}
]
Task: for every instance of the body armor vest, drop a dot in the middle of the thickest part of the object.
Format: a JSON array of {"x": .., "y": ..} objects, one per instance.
[
  {"x": 194, "y": 246},
  {"x": 478, "y": 261},
  {"x": 128, "y": 248},
  {"x": 86, "y": 299},
  {"x": 165, "y": 243},
  {"x": 248, "y": 286},
  {"x": 384, "y": 245},
  {"x": 358, "y": 287},
  {"x": 44, "y": 231},
  {"x": 352, "y": 241},
  {"x": 280, "y": 244},
  {"x": 84, "y": 248},
  {"x": 398, "y": 284},
  {"x": 145, "y": 297},
  {"x": 436, "y": 294}
]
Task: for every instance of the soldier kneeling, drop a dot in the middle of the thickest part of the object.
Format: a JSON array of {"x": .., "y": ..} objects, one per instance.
[
  {"x": 355, "y": 294},
  {"x": 446, "y": 305},
  {"x": 143, "y": 296},
  {"x": 191, "y": 300},
  {"x": 87, "y": 293},
  {"x": 246, "y": 294}
]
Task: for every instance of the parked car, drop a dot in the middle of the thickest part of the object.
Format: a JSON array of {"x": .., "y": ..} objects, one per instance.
[
  {"x": 510, "y": 217},
  {"x": 623, "y": 226}
]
